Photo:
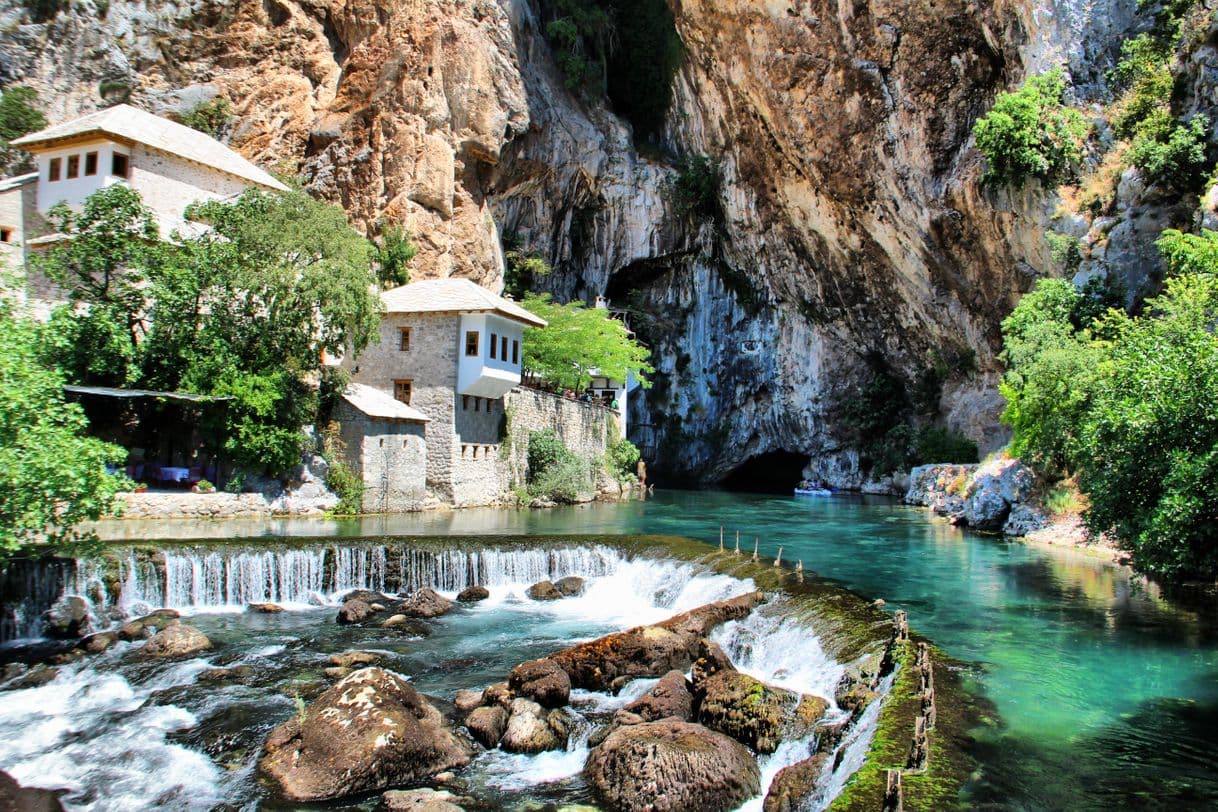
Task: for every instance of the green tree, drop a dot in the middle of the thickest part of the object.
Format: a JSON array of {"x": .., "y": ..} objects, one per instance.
[
  {"x": 52, "y": 476},
  {"x": 578, "y": 341},
  {"x": 18, "y": 116},
  {"x": 1031, "y": 133},
  {"x": 1052, "y": 370},
  {"x": 393, "y": 256},
  {"x": 244, "y": 311},
  {"x": 1149, "y": 456},
  {"x": 1171, "y": 154}
]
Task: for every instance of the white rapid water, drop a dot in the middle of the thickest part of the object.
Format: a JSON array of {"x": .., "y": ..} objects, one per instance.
[
  {"x": 94, "y": 734},
  {"x": 98, "y": 731}
]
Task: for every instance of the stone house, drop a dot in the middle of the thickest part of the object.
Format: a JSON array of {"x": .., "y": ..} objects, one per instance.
[
  {"x": 384, "y": 442},
  {"x": 169, "y": 164},
  {"x": 451, "y": 350}
]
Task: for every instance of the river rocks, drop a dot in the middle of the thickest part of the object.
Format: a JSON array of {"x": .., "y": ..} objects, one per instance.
[
  {"x": 984, "y": 508},
  {"x": 853, "y": 695},
  {"x": 532, "y": 729},
  {"x": 354, "y": 611},
  {"x": 570, "y": 586},
  {"x": 746, "y": 709},
  {"x": 264, "y": 608},
  {"x": 68, "y": 618},
  {"x": 465, "y": 700},
  {"x": 35, "y": 677},
  {"x": 672, "y": 765},
  {"x": 670, "y": 697},
  {"x": 16, "y": 798},
  {"x": 1024, "y": 519},
  {"x": 498, "y": 694},
  {"x": 473, "y": 594},
  {"x": 794, "y": 784},
  {"x": 487, "y": 725},
  {"x": 177, "y": 640},
  {"x": 543, "y": 591},
  {"x": 711, "y": 660},
  {"x": 97, "y": 643},
  {"x": 401, "y": 623},
  {"x": 354, "y": 658},
  {"x": 370, "y": 731},
  {"x": 542, "y": 681},
  {"x": 135, "y": 630},
  {"x": 421, "y": 800},
  {"x": 649, "y": 651},
  {"x": 999, "y": 495},
  {"x": 368, "y": 596},
  {"x": 236, "y": 673},
  {"x": 425, "y": 602}
]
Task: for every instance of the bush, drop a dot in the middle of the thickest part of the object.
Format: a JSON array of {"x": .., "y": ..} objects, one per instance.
[
  {"x": 393, "y": 256},
  {"x": 694, "y": 192},
  {"x": 1065, "y": 251},
  {"x": 347, "y": 486},
  {"x": 1172, "y": 154},
  {"x": 203, "y": 486},
  {"x": 1031, "y": 133},
  {"x": 210, "y": 116},
  {"x": 622, "y": 457},
  {"x": 565, "y": 481},
  {"x": 18, "y": 116},
  {"x": 546, "y": 449}
]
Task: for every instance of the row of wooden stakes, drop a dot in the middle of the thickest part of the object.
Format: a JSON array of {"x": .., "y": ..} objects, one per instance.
[
  {"x": 799, "y": 565},
  {"x": 919, "y": 750}
]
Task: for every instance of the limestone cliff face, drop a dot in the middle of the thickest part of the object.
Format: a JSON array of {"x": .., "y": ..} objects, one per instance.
[{"x": 852, "y": 225}]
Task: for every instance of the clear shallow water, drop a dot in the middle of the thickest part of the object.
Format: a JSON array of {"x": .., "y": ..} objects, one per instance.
[{"x": 1107, "y": 694}]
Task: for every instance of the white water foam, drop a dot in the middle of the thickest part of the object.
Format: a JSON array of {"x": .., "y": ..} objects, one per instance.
[{"x": 95, "y": 735}]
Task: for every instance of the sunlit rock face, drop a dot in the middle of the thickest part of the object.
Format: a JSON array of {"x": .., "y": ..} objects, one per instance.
[{"x": 851, "y": 223}]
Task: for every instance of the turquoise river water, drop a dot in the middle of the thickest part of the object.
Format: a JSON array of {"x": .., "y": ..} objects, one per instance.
[{"x": 1106, "y": 693}]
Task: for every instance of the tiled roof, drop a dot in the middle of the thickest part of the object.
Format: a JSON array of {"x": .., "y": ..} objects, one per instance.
[
  {"x": 133, "y": 124},
  {"x": 17, "y": 180},
  {"x": 375, "y": 403},
  {"x": 453, "y": 295}
]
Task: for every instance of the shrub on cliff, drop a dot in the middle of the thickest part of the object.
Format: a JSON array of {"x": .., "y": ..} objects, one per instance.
[
  {"x": 18, "y": 116},
  {"x": 1031, "y": 133},
  {"x": 1172, "y": 154}
]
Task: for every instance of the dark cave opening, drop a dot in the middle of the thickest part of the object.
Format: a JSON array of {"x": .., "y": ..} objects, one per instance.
[{"x": 772, "y": 472}]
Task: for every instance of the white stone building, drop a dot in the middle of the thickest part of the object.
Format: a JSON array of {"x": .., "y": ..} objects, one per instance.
[{"x": 169, "y": 164}]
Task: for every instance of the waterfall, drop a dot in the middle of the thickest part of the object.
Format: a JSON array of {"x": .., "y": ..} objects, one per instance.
[
  {"x": 229, "y": 578},
  {"x": 27, "y": 590}
]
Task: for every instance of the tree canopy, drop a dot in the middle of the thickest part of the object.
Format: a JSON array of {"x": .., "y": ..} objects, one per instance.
[
  {"x": 1129, "y": 405},
  {"x": 245, "y": 309},
  {"x": 580, "y": 341},
  {"x": 18, "y": 116},
  {"x": 52, "y": 475}
]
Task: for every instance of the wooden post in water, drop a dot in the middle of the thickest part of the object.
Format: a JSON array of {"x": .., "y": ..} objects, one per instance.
[
  {"x": 737, "y": 542},
  {"x": 756, "y": 542},
  {"x": 919, "y": 751},
  {"x": 778, "y": 561},
  {"x": 720, "y": 538},
  {"x": 799, "y": 565},
  {"x": 894, "y": 800}
]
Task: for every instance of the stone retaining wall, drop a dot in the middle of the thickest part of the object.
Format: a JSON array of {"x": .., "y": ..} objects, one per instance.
[{"x": 221, "y": 505}]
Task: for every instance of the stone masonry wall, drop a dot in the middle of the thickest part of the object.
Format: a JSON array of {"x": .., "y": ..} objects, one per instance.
[
  {"x": 585, "y": 428},
  {"x": 390, "y": 456}
]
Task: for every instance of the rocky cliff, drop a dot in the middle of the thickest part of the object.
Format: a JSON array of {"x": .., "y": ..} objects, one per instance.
[{"x": 849, "y": 238}]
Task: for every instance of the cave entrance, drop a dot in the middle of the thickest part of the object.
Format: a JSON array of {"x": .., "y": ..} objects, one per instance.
[{"x": 772, "y": 472}]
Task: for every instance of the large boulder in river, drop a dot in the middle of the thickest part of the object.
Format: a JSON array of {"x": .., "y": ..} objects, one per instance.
[
  {"x": 370, "y": 731},
  {"x": 649, "y": 651},
  {"x": 672, "y": 765},
  {"x": 473, "y": 594},
  {"x": 487, "y": 725},
  {"x": 754, "y": 713},
  {"x": 543, "y": 591},
  {"x": 570, "y": 586},
  {"x": 176, "y": 640},
  {"x": 533, "y": 729},
  {"x": 68, "y": 618},
  {"x": 16, "y": 798},
  {"x": 354, "y": 611},
  {"x": 794, "y": 785},
  {"x": 421, "y": 800},
  {"x": 542, "y": 681},
  {"x": 670, "y": 697},
  {"x": 426, "y": 602}
]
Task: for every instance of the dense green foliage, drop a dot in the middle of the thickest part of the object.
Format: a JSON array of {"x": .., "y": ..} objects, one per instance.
[
  {"x": 622, "y": 458},
  {"x": 245, "y": 310},
  {"x": 18, "y": 116},
  {"x": 210, "y": 116},
  {"x": 522, "y": 270},
  {"x": 694, "y": 192},
  {"x": 1031, "y": 133},
  {"x": 1130, "y": 405},
  {"x": 555, "y": 473},
  {"x": 393, "y": 256},
  {"x": 52, "y": 476},
  {"x": 579, "y": 341},
  {"x": 626, "y": 49},
  {"x": 1170, "y": 153},
  {"x": 1065, "y": 251}
]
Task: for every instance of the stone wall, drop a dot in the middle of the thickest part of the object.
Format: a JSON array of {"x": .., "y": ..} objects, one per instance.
[
  {"x": 390, "y": 456},
  {"x": 585, "y": 428},
  {"x": 221, "y": 505}
]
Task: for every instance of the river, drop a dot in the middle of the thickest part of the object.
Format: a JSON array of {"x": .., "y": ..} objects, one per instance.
[{"x": 1106, "y": 694}]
